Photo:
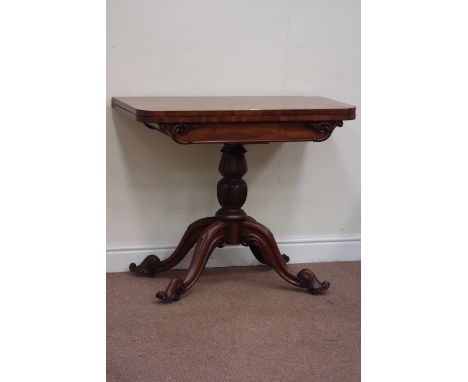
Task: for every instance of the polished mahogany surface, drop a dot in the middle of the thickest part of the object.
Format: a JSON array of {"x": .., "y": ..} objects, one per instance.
[
  {"x": 238, "y": 119},
  {"x": 234, "y": 109}
]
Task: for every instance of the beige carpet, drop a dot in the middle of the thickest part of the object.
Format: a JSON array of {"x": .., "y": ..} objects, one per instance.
[{"x": 235, "y": 324}]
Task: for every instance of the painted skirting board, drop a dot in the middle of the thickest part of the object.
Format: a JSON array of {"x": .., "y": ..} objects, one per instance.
[{"x": 316, "y": 249}]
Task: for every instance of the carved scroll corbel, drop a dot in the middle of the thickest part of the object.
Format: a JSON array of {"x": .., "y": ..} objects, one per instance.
[
  {"x": 161, "y": 128},
  {"x": 324, "y": 129},
  {"x": 175, "y": 130}
]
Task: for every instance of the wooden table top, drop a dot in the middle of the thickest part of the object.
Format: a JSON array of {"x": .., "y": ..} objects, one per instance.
[
  {"x": 227, "y": 109},
  {"x": 238, "y": 119}
]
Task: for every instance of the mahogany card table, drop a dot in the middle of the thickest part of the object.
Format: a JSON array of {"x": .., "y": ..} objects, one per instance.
[{"x": 233, "y": 122}]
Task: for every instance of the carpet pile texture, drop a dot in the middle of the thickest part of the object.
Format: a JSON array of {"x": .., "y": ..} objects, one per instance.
[{"x": 235, "y": 324}]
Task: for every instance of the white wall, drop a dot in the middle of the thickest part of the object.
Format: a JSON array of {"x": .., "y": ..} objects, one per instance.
[{"x": 301, "y": 191}]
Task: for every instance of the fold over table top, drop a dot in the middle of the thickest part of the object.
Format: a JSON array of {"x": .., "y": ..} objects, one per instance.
[
  {"x": 233, "y": 109},
  {"x": 239, "y": 119}
]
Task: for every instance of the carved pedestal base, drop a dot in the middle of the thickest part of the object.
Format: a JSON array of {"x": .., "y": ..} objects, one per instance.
[{"x": 230, "y": 226}]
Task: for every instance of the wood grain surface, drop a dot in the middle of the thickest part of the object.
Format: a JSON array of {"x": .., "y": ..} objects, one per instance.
[
  {"x": 234, "y": 109},
  {"x": 238, "y": 119}
]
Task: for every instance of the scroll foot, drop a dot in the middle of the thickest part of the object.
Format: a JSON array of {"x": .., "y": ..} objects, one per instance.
[
  {"x": 308, "y": 280},
  {"x": 172, "y": 292},
  {"x": 148, "y": 266}
]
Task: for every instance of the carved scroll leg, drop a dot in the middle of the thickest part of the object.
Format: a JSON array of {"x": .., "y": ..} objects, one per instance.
[
  {"x": 213, "y": 236},
  {"x": 254, "y": 233},
  {"x": 256, "y": 250},
  {"x": 152, "y": 264},
  {"x": 258, "y": 255}
]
